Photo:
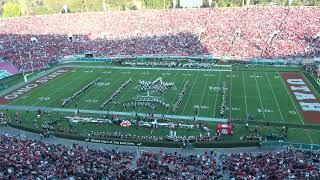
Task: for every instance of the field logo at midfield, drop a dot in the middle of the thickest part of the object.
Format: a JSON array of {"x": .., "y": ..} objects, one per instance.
[
  {"x": 308, "y": 103},
  {"x": 32, "y": 85}
]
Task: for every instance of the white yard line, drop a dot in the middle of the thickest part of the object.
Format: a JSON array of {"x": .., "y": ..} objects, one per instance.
[
  {"x": 275, "y": 98},
  {"x": 38, "y": 76},
  {"x": 56, "y": 90},
  {"x": 285, "y": 87},
  {"x": 103, "y": 97},
  {"x": 215, "y": 103},
  {"x": 205, "y": 88},
  {"x": 42, "y": 86},
  {"x": 311, "y": 85},
  {"x": 245, "y": 95},
  {"x": 195, "y": 80},
  {"x": 184, "y": 79},
  {"x": 255, "y": 77},
  {"x": 294, "y": 104},
  {"x": 125, "y": 94},
  {"x": 308, "y": 136},
  {"x": 314, "y": 92}
]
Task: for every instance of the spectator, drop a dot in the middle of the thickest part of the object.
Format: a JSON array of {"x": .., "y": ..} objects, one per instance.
[{"x": 268, "y": 32}]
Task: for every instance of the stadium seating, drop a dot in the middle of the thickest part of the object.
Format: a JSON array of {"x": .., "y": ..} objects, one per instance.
[
  {"x": 268, "y": 32},
  {"x": 280, "y": 165},
  {"x": 29, "y": 159}
]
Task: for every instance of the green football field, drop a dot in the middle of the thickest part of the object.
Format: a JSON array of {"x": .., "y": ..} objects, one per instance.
[
  {"x": 254, "y": 94},
  {"x": 261, "y": 94}
]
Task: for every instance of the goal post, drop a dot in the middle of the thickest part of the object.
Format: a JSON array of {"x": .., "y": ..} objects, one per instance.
[{"x": 25, "y": 78}]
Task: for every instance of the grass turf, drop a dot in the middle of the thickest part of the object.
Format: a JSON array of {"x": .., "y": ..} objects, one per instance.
[
  {"x": 262, "y": 94},
  {"x": 250, "y": 91}
]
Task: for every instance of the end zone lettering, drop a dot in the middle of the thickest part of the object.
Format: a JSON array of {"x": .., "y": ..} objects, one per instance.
[
  {"x": 32, "y": 85},
  {"x": 308, "y": 103},
  {"x": 51, "y": 76},
  {"x": 303, "y": 93},
  {"x": 20, "y": 91}
]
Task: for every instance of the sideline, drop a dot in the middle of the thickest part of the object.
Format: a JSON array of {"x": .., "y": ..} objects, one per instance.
[
  {"x": 48, "y": 109},
  {"x": 54, "y": 140},
  {"x": 145, "y": 68}
]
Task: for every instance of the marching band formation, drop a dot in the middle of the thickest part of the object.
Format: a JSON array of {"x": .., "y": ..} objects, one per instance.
[
  {"x": 155, "y": 86},
  {"x": 135, "y": 104},
  {"x": 147, "y": 102},
  {"x": 181, "y": 95},
  {"x": 76, "y": 94},
  {"x": 223, "y": 104},
  {"x": 151, "y": 64},
  {"x": 198, "y": 65},
  {"x": 171, "y": 64},
  {"x": 116, "y": 93},
  {"x": 150, "y": 102}
]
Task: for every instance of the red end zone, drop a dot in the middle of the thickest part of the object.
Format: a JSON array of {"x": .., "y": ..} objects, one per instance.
[
  {"x": 22, "y": 90},
  {"x": 306, "y": 99}
]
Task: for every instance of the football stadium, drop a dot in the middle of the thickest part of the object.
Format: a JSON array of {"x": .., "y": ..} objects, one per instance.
[{"x": 159, "y": 89}]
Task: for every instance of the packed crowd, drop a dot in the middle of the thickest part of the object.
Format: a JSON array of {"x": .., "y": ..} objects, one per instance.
[
  {"x": 268, "y": 32},
  {"x": 281, "y": 165},
  {"x": 29, "y": 159},
  {"x": 175, "y": 166}
]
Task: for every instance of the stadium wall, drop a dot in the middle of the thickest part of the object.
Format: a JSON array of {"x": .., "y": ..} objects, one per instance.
[{"x": 81, "y": 58}]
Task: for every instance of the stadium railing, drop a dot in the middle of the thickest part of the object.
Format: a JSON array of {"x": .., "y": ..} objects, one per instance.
[
  {"x": 83, "y": 59},
  {"x": 312, "y": 147}
]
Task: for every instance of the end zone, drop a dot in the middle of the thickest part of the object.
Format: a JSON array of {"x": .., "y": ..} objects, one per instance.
[
  {"x": 308, "y": 102},
  {"x": 26, "y": 88}
]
